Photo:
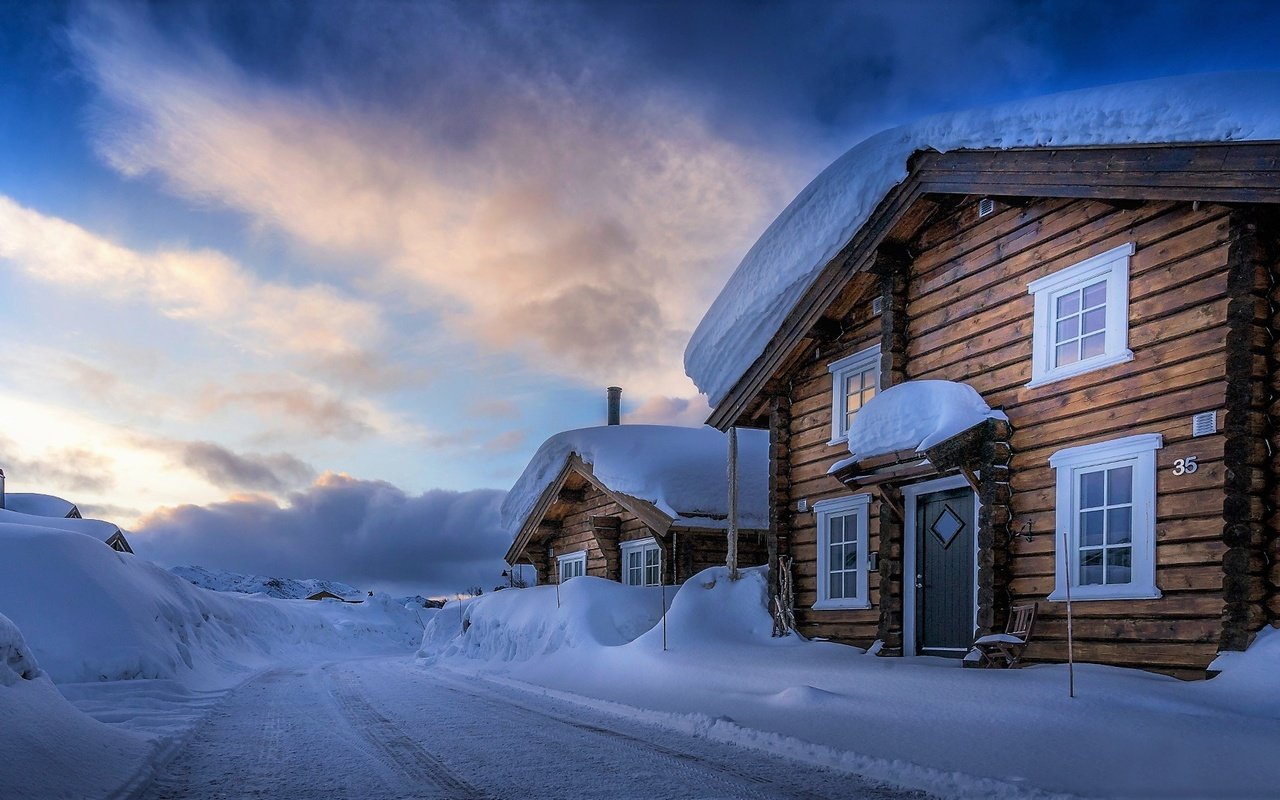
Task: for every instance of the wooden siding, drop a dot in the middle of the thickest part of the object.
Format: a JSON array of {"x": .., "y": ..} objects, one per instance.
[
  {"x": 969, "y": 319},
  {"x": 695, "y": 549},
  {"x": 602, "y": 546}
]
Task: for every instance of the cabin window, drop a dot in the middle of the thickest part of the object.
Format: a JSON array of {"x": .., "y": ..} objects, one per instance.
[
  {"x": 641, "y": 563},
  {"x": 1106, "y": 519},
  {"x": 842, "y": 552},
  {"x": 854, "y": 381},
  {"x": 572, "y": 565},
  {"x": 1081, "y": 320}
]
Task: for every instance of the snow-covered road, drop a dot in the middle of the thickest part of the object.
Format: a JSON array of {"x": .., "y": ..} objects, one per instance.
[{"x": 388, "y": 728}]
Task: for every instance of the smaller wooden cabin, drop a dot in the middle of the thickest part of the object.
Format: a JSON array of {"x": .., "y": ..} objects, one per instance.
[
  {"x": 639, "y": 504},
  {"x": 325, "y": 594}
]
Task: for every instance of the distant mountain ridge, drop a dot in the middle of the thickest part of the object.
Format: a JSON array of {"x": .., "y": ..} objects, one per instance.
[{"x": 283, "y": 588}]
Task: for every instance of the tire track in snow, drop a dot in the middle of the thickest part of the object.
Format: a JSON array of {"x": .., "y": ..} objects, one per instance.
[
  {"x": 727, "y": 779},
  {"x": 392, "y": 743}
]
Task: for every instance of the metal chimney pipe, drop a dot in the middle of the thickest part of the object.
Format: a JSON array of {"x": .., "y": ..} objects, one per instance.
[
  {"x": 1, "y": 488},
  {"x": 615, "y": 405}
]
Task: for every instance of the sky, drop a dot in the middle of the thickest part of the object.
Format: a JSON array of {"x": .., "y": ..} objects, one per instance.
[{"x": 298, "y": 288}]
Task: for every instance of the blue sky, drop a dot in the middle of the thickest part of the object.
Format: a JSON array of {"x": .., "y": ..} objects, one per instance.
[{"x": 251, "y": 252}]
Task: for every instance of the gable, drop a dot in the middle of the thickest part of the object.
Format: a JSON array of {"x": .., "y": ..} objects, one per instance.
[{"x": 1245, "y": 173}]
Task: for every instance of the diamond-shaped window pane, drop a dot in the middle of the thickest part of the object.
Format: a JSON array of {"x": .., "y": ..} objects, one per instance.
[{"x": 947, "y": 525}]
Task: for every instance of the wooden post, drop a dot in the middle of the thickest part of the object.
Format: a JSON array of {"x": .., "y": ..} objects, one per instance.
[
  {"x": 731, "y": 556},
  {"x": 780, "y": 506}
]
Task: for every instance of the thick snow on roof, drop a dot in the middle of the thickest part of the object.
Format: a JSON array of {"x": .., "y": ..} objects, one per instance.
[
  {"x": 38, "y": 505},
  {"x": 96, "y": 528},
  {"x": 915, "y": 416},
  {"x": 786, "y": 260},
  {"x": 682, "y": 471}
]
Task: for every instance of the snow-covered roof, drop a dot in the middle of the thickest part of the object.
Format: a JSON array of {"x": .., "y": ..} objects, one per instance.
[
  {"x": 38, "y": 505},
  {"x": 681, "y": 471},
  {"x": 915, "y": 416},
  {"x": 785, "y": 261},
  {"x": 96, "y": 528}
]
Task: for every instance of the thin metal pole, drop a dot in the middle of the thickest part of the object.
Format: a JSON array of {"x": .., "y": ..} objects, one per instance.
[
  {"x": 461, "y": 622},
  {"x": 1071, "y": 662},
  {"x": 557, "y": 584}
]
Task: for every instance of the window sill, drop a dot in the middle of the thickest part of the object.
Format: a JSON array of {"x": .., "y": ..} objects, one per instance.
[
  {"x": 839, "y": 440},
  {"x": 841, "y": 605},
  {"x": 1081, "y": 368},
  {"x": 1086, "y": 593}
]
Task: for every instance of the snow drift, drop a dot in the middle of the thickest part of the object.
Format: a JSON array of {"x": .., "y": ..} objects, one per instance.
[
  {"x": 595, "y": 614},
  {"x": 519, "y": 624},
  {"x": 682, "y": 471},
  {"x": 60, "y": 750},
  {"x": 782, "y": 265},
  {"x": 90, "y": 614}
]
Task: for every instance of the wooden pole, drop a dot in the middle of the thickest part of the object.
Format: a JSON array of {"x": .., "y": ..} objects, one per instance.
[
  {"x": 1071, "y": 661},
  {"x": 663, "y": 591},
  {"x": 731, "y": 556}
]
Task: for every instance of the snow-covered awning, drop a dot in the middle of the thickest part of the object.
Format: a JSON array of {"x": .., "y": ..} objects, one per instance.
[
  {"x": 785, "y": 262},
  {"x": 910, "y": 419}
]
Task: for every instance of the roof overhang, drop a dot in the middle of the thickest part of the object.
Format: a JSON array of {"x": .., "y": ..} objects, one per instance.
[{"x": 1230, "y": 172}]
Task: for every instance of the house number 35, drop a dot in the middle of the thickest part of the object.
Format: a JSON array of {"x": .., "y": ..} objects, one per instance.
[{"x": 1185, "y": 466}]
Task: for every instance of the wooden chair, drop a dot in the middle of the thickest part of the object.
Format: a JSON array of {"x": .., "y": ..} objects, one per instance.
[{"x": 1008, "y": 646}]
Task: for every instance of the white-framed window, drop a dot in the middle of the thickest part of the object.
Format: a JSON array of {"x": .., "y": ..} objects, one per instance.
[
  {"x": 641, "y": 563},
  {"x": 842, "y": 552},
  {"x": 855, "y": 380},
  {"x": 1081, "y": 318},
  {"x": 572, "y": 565},
  {"x": 1106, "y": 505}
]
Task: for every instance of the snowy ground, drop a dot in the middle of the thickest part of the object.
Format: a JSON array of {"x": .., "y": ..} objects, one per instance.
[
  {"x": 923, "y": 723},
  {"x": 382, "y": 728}
]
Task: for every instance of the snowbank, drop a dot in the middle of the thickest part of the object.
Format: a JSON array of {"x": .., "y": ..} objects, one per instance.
[
  {"x": 682, "y": 471},
  {"x": 915, "y": 416},
  {"x": 48, "y": 749},
  {"x": 90, "y": 613},
  {"x": 786, "y": 260},
  {"x": 519, "y": 624}
]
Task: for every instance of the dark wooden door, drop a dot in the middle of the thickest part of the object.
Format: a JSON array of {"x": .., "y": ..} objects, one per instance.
[{"x": 944, "y": 572}]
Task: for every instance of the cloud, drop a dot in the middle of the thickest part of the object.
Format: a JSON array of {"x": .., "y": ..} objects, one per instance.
[
  {"x": 311, "y": 409},
  {"x": 690, "y": 412},
  {"x": 521, "y": 188},
  {"x": 75, "y": 468},
  {"x": 315, "y": 324},
  {"x": 222, "y": 467},
  {"x": 366, "y": 533}
]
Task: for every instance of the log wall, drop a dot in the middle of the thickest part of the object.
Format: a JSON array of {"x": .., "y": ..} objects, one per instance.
[{"x": 968, "y": 317}]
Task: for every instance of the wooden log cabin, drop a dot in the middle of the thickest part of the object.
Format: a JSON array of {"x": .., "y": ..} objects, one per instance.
[
  {"x": 1118, "y": 305},
  {"x": 639, "y": 504}
]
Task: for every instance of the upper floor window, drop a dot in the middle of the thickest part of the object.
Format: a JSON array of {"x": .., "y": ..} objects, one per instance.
[
  {"x": 1081, "y": 317},
  {"x": 855, "y": 380},
  {"x": 1106, "y": 507},
  {"x": 641, "y": 563},
  {"x": 842, "y": 552}
]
